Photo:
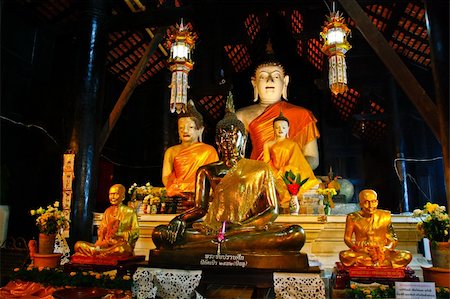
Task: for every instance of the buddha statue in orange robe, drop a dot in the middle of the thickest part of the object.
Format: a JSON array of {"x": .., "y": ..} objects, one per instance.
[
  {"x": 374, "y": 239},
  {"x": 181, "y": 161},
  {"x": 284, "y": 154},
  {"x": 270, "y": 87}
]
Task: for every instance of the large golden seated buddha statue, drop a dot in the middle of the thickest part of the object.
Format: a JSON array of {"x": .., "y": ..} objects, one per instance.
[
  {"x": 374, "y": 237},
  {"x": 237, "y": 198}
]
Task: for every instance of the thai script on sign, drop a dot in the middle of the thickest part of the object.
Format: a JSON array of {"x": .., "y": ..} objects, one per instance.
[{"x": 224, "y": 260}]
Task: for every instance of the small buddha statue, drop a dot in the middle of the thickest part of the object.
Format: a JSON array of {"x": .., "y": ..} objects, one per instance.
[
  {"x": 284, "y": 154},
  {"x": 181, "y": 161},
  {"x": 233, "y": 194},
  {"x": 270, "y": 90},
  {"x": 374, "y": 237},
  {"x": 118, "y": 230}
]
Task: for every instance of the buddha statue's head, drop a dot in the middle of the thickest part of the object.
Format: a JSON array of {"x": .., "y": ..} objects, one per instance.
[
  {"x": 116, "y": 194},
  {"x": 280, "y": 126},
  {"x": 231, "y": 135},
  {"x": 269, "y": 81},
  {"x": 368, "y": 201},
  {"x": 190, "y": 125}
]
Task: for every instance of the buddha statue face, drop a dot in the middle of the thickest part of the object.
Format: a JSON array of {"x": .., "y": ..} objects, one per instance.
[
  {"x": 231, "y": 142},
  {"x": 116, "y": 194},
  {"x": 188, "y": 130},
  {"x": 368, "y": 202},
  {"x": 270, "y": 83},
  {"x": 280, "y": 129}
]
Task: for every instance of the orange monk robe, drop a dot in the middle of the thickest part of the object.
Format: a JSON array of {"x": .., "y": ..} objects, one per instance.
[
  {"x": 185, "y": 165},
  {"x": 302, "y": 127},
  {"x": 286, "y": 155}
]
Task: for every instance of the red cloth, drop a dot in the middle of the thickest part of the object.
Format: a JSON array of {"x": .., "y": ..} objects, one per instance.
[{"x": 26, "y": 289}]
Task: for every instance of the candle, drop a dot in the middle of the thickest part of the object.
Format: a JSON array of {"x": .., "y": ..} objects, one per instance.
[{"x": 223, "y": 227}]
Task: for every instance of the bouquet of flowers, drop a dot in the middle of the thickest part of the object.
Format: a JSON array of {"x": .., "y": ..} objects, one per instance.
[
  {"x": 435, "y": 222},
  {"x": 50, "y": 220},
  {"x": 293, "y": 182},
  {"x": 140, "y": 192},
  {"x": 328, "y": 194}
]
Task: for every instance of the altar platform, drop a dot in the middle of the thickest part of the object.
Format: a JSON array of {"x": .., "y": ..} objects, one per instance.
[{"x": 324, "y": 238}]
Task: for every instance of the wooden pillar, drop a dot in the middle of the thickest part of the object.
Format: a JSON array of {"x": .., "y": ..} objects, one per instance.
[
  {"x": 437, "y": 14},
  {"x": 399, "y": 145},
  {"x": 91, "y": 42}
]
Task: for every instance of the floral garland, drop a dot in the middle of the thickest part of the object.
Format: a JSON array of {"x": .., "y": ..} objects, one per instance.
[
  {"x": 57, "y": 277},
  {"x": 359, "y": 291}
]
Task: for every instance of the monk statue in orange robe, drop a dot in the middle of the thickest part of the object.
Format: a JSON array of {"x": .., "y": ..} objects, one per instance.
[
  {"x": 284, "y": 154},
  {"x": 181, "y": 161},
  {"x": 118, "y": 230},
  {"x": 270, "y": 88},
  {"x": 374, "y": 237}
]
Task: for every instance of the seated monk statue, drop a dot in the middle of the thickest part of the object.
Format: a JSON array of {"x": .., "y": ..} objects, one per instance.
[
  {"x": 181, "y": 161},
  {"x": 270, "y": 87},
  {"x": 237, "y": 191},
  {"x": 375, "y": 238},
  {"x": 283, "y": 155},
  {"x": 118, "y": 230}
]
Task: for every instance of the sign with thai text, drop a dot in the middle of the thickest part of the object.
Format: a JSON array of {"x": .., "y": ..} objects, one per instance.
[
  {"x": 224, "y": 260},
  {"x": 415, "y": 290}
]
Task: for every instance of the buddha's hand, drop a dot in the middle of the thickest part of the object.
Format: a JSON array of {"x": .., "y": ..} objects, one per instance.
[{"x": 175, "y": 230}]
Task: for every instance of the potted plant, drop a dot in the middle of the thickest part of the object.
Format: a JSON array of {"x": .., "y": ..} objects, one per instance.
[
  {"x": 434, "y": 225},
  {"x": 49, "y": 222}
]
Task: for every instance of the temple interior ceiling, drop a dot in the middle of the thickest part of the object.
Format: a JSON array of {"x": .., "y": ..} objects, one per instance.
[{"x": 233, "y": 34}]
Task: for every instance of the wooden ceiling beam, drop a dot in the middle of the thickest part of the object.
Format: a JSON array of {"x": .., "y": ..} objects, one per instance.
[
  {"x": 405, "y": 79},
  {"x": 130, "y": 87}
]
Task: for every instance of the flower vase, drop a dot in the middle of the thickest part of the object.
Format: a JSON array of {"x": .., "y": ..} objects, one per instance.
[
  {"x": 440, "y": 254},
  {"x": 294, "y": 205},
  {"x": 327, "y": 209},
  {"x": 46, "y": 243}
]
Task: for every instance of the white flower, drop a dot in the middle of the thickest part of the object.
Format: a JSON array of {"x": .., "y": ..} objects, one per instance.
[{"x": 417, "y": 212}]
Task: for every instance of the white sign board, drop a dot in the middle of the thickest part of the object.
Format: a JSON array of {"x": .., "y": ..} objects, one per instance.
[{"x": 415, "y": 290}]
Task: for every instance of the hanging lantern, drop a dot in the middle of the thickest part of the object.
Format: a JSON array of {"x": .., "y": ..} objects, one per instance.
[
  {"x": 334, "y": 34},
  {"x": 180, "y": 63}
]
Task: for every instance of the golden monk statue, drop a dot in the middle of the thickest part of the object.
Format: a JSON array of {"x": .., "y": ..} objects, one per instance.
[
  {"x": 284, "y": 154},
  {"x": 270, "y": 87},
  {"x": 234, "y": 191},
  {"x": 181, "y": 161},
  {"x": 375, "y": 238},
  {"x": 118, "y": 230}
]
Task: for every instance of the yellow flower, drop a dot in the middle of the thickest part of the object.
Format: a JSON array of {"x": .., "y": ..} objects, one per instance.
[
  {"x": 438, "y": 290},
  {"x": 84, "y": 273},
  {"x": 366, "y": 291},
  {"x": 73, "y": 273},
  {"x": 16, "y": 269},
  {"x": 368, "y": 296},
  {"x": 431, "y": 207},
  {"x": 383, "y": 287},
  {"x": 33, "y": 212},
  {"x": 353, "y": 286},
  {"x": 126, "y": 277},
  {"x": 112, "y": 277},
  {"x": 446, "y": 290},
  {"x": 98, "y": 276}
]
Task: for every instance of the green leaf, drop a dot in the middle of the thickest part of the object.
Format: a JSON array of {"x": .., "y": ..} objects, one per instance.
[{"x": 304, "y": 181}]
